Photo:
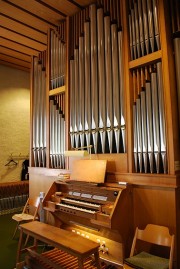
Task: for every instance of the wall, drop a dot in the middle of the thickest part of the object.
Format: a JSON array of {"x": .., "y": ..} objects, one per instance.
[{"x": 14, "y": 121}]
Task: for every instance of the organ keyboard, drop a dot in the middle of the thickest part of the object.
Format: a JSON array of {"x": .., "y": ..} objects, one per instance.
[{"x": 100, "y": 212}]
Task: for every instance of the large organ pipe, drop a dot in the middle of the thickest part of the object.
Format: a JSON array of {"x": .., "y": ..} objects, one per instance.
[
  {"x": 115, "y": 72},
  {"x": 150, "y": 126},
  {"x": 94, "y": 76},
  {"x": 135, "y": 139},
  {"x": 43, "y": 98},
  {"x": 101, "y": 77},
  {"x": 76, "y": 103},
  {"x": 51, "y": 133},
  {"x": 39, "y": 114},
  {"x": 144, "y": 131},
  {"x": 72, "y": 100},
  {"x": 35, "y": 92},
  {"x": 155, "y": 112},
  {"x": 139, "y": 134},
  {"x": 52, "y": 58},
  {"x": 109, "y": 96},
  {"x": 161, "y": 117},
  {"x": 87, "y": 83},
  {"x": 81, "y": 91},
  {"x": 121, "y": 85}
]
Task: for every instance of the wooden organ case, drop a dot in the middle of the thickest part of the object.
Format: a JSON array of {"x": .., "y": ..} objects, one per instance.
[{"x": 96, "y": 211}]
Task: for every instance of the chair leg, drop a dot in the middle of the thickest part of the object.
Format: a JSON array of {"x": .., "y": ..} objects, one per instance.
[
  {"x": 15, "y": 231},
  {"x": 27, "y": 238}
]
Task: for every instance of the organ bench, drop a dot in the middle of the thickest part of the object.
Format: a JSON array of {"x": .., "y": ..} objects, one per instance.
[{"x": 69, "y": 248}]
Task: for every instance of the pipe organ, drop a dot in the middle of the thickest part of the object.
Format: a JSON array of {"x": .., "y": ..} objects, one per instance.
[
  {"x": 107, "y": 82},
  {"x": 96, "y": 79},
  {"x": 97, "y": 89}
]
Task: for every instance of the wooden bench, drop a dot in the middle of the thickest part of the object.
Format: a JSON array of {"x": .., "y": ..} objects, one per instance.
[{"x": 77, "y": 248}]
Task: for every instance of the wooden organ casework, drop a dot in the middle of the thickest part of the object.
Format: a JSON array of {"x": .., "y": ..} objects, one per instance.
[{"x": 109, "y": 80}]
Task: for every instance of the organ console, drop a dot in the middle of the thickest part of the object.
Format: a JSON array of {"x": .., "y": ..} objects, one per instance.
[{"x": 101, "y": 212}]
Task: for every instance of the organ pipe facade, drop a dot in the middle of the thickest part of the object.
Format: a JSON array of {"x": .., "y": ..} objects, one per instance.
[{"x": 93, "y": 110}]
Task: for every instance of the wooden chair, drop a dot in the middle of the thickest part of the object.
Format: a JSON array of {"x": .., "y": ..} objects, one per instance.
[
  {"x": 29, "y": 213},
  {"x": 152, "y": 235}
]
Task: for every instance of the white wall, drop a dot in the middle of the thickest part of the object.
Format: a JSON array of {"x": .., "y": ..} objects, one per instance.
[{"x": 14, "y": 120}]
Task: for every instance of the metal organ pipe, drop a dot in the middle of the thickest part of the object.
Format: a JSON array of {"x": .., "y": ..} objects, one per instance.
[
  {"x": 81, "y": 91},
  {"x": 109, "y": 96},
  {"x": 94, "y": 76},
  {"x": 115, "y": 72},
  {"x": 101, "y": 78},
  {"x": 87, "y": 56}
]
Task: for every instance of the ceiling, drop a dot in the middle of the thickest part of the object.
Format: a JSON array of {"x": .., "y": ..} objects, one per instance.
[{"x": 24, "y": 25}]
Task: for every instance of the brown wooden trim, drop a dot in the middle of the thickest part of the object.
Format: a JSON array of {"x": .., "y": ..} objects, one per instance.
[
  {"x": 57, "y": 91},
  {"x": 170, "y": 94},
  {"x": 148, "y": 59},
  {"x": 127, "y": 86}
]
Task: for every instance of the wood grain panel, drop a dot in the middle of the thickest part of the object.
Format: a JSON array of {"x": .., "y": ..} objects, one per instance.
[
  {"x": 39, "y": 10},
  {"x": 13, "y": 60},
  {"x": 24, "y": 17},
  {"x": 22, "y": 29},
  {"x": 15, "y": 54},
  {"x": 14, "y": 65},
  {"x": 65, "y": 6},
  {"x": 21, "y": 39},
  {"x": 17, "y": 47},
  {"x": 85, "y": 2}
]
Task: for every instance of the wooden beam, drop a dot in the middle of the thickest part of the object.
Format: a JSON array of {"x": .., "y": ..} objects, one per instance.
[
  {"x": 15, "y": 54},
  {"x": 13, "y": 45},
  {"x": 14, "y": 61},
  {"x": 22, "y": 40},
  {"x": 22, "y": 29},
  {"x": 37, "y": 10}
]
